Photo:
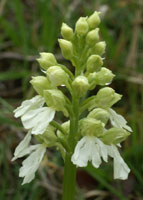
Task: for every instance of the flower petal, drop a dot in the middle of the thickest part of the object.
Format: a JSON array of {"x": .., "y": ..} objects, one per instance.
[
  {"x": 20, "y": 149},
  {"x": 38, "y": 119},
  {"x": 35, "y": 102},
  {"x": 103, "y": 149},
  {"x": 118, "y": 120},
  {"x": 121, "y": 170},
  {"x": 31, "y": 164}
]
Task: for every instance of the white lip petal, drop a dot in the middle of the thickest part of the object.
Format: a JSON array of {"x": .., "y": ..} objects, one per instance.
[
  {"x": 80, "y": 156},
  {"x": 96, "y": 160},
  {"x": 38, "y": 119},
  {"x": 118, "y": 120},
  {"x": 86, "y": 150},
  {"x": 103, "y": 150},
  {"x": 35, "y": 102},
  {"x": 121, "y": 170},
  {"x": 20, "y": 149},
  {"x": 31, "y": 164}
]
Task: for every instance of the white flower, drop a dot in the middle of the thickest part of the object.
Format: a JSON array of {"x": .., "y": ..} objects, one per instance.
[
  {"x": 121, "y": 170},
  {"x": 118, "y": 120},
  {"x": 90, "y": 148},
  {"x": 23, "y": 148},
  {"x": 31, "y": 164},
  {"x": 35, "y": 102},
  {"x": 34, "y": 116}
]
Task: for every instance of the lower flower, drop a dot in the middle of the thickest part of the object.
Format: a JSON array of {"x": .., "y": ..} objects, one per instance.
[{"x": 90, "y": 148}]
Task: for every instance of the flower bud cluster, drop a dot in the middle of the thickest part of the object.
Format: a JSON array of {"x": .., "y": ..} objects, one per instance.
[{"x": 95, "y": 133}]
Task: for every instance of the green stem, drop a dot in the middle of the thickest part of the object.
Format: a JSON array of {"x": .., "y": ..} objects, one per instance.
[
  {"x": 69, "y": 179},
  {"x": 70, "y": 168}
]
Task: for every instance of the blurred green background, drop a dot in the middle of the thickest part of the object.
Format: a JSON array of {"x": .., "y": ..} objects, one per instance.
[{"x": 28, "y": 27}]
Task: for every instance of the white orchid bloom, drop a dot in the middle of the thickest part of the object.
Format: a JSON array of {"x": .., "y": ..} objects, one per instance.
[
  {"x": 118, "y": 120},
  {"x": 121, "y": 170},
  {"x": 90, "y": 148},
  {"x": 34, "y": 116},
  {"x": 24, "y": 147},
  {"x": 32, "y": 163}
]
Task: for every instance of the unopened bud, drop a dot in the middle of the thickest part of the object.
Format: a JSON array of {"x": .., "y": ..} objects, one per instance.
[
  {"x": 115, "y": 136},
  {"x": 80, "y": 85},
  {"x": 99, "y": 48},
  {"x": 91, "y": 127},
  {"x": 81, "y": 27},
  {"x": 40, "y": 83},
  {"x": 55, "y": 99},
  {"x": 99, "y": 114},
  {"x": 49, "y": 137},
  {"x": 104, "y": 76},
  {"x": 67, "y": 32},
  {"x": 66, "y": 127},
  {"x": 92, "y": 37},
  {"x": 94, "y": 20},
  {"x": 94, "y": 63},
  {"x": 105, "y": 98},
  {"x": 57, "y": 76},
  {"x": 46, "y": 60},
  {"x": 67, "y": 48}
]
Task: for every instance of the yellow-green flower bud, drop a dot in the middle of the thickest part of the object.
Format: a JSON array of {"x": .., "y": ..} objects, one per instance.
[
  {"x": 104, "y": 76},
  {"x": 46, "y": 60},
  {"x": 99, "y": 48},
  {"x": 105, "y": 98},
  {"x": 92, "y": 37},
  {"x": 55, "y": 99},
  {"x": 67, "y": 32},
  {"x": 49, "y": 137},
  {"x": 115, "y": 136},
  {"x": 94, "y": 63},
  {"x": 66, "y": 48},
  {"x": 66, "y": 127},
  {"x": 99, "y": 114},
  {"x": 57, "y": 76},
  {"x": 94, "y": 20},
  {"x": 40, "y": 83},
  {"x": 81, "y": 27},
  {"x": 91, "y": 127},
  {"x": 80, "y": 85}
]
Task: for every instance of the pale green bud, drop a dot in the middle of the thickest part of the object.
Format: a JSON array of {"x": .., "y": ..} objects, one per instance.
[
  {"x": 91, "y": 79},
  {"x": 55, "y": 99},
  {"x": 94, "y": 20},
  {"x": 81, "y": 27},
  {"x": 57, "y": 76},
  {"x": 99, "y": 48},
  {"x": 115, "y": 136},
  {"x": 94, "y": 63},
  {"x": 105, "y": 98},
  {"x": 48, "y": 137},
  {"x": 40, "y": 83},
  {"x": 99, "y": 114},
  {"x": 67, "y": 32},
  {"x": 46, "y": 60},
  {"x": 80, "y": 85},
  {"x": 66, "y": 127},
  {"x": 104, "y": 76},
  {"x": 92, "y": 37},
  {"x": 91, "y": 127},
  {"x": 67, "y": 48}
]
